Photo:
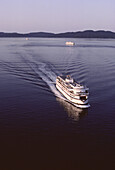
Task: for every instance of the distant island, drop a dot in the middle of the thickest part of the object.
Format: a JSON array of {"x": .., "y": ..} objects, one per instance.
[{"x": 79, "y": 34}]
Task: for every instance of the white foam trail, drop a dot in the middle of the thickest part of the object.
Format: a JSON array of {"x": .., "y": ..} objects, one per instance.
[{"x": 47, "y": 76}]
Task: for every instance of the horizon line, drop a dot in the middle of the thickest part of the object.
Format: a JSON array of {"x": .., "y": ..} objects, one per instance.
[{"x": 57, "y": 32}]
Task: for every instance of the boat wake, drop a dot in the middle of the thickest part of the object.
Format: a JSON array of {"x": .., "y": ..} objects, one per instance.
[{"x": 36, "y": 72}]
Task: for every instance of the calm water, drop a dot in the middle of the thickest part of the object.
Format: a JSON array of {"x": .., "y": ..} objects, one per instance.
[{"x": 38, "y": 128}]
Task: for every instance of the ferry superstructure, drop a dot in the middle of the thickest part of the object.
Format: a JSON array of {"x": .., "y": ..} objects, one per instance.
[{"x": 74, "y": 92}]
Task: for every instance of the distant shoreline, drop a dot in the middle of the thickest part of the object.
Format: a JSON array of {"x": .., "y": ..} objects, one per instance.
[{"x": 79, "y": 34}]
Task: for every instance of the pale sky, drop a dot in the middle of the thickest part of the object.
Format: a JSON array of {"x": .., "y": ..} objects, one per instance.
[{"x": 56, "y": 16}]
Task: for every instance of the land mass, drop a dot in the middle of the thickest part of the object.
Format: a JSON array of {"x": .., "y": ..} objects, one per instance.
[{"x": 79, "y": 34}]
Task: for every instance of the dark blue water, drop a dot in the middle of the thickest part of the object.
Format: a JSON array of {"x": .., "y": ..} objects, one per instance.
[{"x": 38, "y": 128}]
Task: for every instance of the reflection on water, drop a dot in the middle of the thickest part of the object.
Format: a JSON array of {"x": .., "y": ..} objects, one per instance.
[{"x": 72, "y": 111}]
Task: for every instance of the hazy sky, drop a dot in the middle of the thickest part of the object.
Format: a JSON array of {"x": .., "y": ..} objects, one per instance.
[{"x": 56, "y": 15}]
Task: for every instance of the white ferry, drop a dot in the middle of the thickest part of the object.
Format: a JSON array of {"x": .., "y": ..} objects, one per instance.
[
  {"x": 74, "y": 92},
  {"x": 70, "y": 43}
]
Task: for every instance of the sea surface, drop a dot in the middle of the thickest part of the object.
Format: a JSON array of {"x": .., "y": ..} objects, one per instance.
[{"x": 38, "y": 128}]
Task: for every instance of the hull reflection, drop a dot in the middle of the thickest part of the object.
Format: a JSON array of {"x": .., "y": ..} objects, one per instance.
[{"x": 73, "y": 112}]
